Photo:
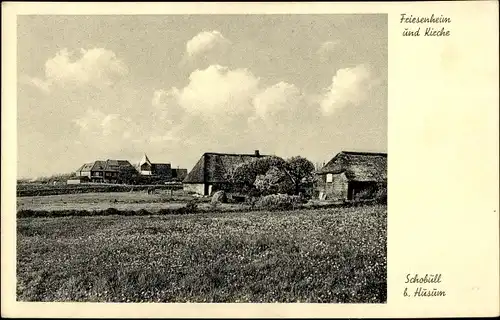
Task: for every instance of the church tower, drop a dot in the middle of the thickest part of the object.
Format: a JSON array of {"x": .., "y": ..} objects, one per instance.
[{"x": 145, "y": 166}]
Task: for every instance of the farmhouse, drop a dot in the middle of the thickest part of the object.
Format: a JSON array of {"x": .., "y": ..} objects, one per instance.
[
  {"x": 111, "y": 171},
  {"x": 146, "y": 168},
  {"x": 353, "y": 176},
  {"x": 210, "y": 172}
]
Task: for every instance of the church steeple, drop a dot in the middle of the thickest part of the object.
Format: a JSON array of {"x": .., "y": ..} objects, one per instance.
[
  {"x": 145, "y": 166},
  {"x": 144, "y": 160}
]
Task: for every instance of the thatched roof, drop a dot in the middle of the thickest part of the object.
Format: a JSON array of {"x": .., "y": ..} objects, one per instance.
[
  {"x": 213, "y": 167},
  {"x": 358, "y": 166}
]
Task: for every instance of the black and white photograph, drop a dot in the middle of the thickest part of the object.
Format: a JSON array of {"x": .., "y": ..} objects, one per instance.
[
  {"x": 230, "y": 160},
  {"x": 202, "y": 158}
]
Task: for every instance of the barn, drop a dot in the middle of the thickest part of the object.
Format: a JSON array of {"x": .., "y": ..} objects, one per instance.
[
  {"x": 353, "y": 176},
  {"x": 210, "y": 172}
]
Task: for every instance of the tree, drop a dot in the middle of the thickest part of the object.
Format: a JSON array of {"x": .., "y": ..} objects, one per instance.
[
  {"x": 128, "y": 176},
  {"x": 245, "y": 174},
  {"x": 272, "y": 175},
  {"x": 301, "y": 170},
  {"x": 274, "y": 181}
]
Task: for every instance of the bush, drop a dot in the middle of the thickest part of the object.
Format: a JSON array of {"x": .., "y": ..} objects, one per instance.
[
  {"x": 111, "y": 211},
  {"x": 219, "y": 197},
  {"x": 381, "y": 194},
  {"x": 278, "y": 202},
  {"x": 191, "y": 207},
  {"x": 251, "y": 201}
]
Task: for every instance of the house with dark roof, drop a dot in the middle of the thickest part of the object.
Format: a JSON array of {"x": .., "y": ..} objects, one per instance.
[
  {"x": 110, "y": 171},
  {"x": 179, "y": 174},
  {"x": 158, "y": 170},
  {"x": 211, "y": 171},
  {"x": 353, "y": 176}
]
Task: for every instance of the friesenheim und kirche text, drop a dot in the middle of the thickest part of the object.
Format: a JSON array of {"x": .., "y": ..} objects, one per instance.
[{"x": 429, "y": 30}]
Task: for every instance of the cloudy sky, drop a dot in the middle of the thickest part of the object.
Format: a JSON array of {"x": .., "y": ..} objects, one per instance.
[{"x": 176, "y": 86}]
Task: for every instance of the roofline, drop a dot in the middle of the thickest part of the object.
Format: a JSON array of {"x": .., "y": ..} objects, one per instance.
[
  {"x": 362, "y": 153},
  {"x": 350, "y": 179},
  {"x": 330, "y": 171},
  {"x": 115, "y": 160},
  {"x": 105, "y": 162},
  {"x": 236, "y": 154}
]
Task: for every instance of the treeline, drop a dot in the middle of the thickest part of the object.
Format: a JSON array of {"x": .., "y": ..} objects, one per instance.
[{"x": 58, "y": 178}]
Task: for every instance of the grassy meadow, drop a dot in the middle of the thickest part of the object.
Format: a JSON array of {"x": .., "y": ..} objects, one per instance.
[
  {"x": 316, "y": 255},
  {"x": 135, "y": 200},
  {"x": 47, "y": 189}
]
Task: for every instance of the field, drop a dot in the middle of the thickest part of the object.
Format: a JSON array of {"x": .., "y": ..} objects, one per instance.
[
  {"x": 130, "y": 202},
  {"x": 135, "y": 200},
  {"x": 45, "y": 189},
  {"x": 316, "y": 255}
]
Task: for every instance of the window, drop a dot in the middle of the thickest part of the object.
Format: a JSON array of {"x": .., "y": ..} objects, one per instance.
[{"x": 329, "y": 177}]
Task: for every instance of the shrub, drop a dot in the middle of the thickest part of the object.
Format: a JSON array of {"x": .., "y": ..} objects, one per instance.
[
  {"x": 381, "y": 194},
  {"x": 219, "y": 197},
  {"x": 251, "y": 201},
  {"x": 278, "y": 202},
  {"x": 191, "y": 207},
  {"x": 111, "y": 211},
  {"x": 141, "y": 212}
]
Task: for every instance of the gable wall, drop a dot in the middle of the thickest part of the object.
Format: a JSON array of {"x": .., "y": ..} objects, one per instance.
[
  {"x": 198, "y": 188},
  {"x": 335, "y": 190}
]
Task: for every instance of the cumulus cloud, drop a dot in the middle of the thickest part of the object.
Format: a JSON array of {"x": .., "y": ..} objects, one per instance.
[
  {"x": 274, "y": 99},
  {"x": 96, "y": 123},
  {"x": 165, "y": 103},
  {"x": 327, "y": 47},
  {"x": 350, "y": 86},
  {"x": 204, "y": 42},
  {"x": 96, "y": 67},
  {"x": 44, "y": 86},
  {"x": 223, "y": 109},
  {"x": 220, "y": 107},
  {"x": 218, "y": 93},
  {"x": 217, "y": 90}
]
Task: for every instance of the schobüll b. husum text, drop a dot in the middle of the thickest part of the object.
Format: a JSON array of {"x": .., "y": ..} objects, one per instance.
[{"x": 423, "y": 286}]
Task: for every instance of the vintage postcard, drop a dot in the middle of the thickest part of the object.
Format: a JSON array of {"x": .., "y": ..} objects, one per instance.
[{"x": 250, "y": 159}]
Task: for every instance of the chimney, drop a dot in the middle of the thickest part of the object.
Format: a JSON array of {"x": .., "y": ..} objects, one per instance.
[{"x": 257, "y": 153}]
